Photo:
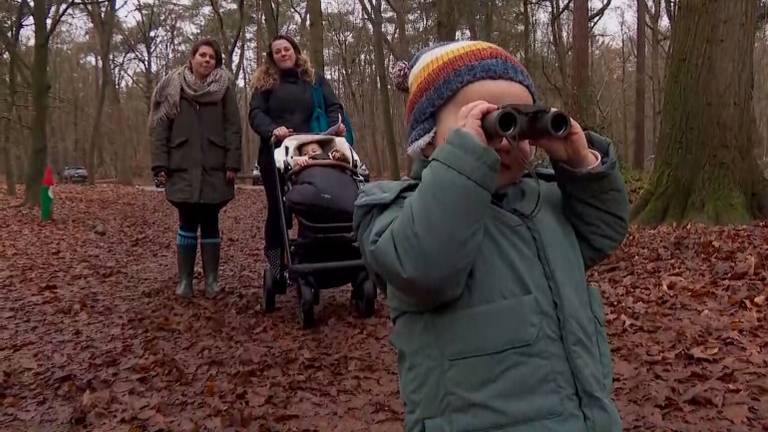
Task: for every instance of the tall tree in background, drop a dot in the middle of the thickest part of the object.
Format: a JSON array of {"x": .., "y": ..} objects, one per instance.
[
  {"x": 372, "y": 10},
  {"x": 11, "y": 43},
  {"x": 142, "y": 41},
  {"x": 706, "y": 168},
  {"x": 103, "y": 20},
  {"x": 316, "y": 46},
  {"x": 655, "y": 25},
  {"x": 271, "y": 10},
  {"x": 229, "y": 43},
  {"x": 580, "y": 60},
  {"x": 638, "y": 161},
  {"x": 38, "y": 154},
  {"x": 447, "y": 21}
]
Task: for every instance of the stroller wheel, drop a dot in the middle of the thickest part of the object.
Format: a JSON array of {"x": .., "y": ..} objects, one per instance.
[
  {"x": 268, "y": 292},
  {"x": 364, "y": 298},
  {"x": 306, "y": 305}
]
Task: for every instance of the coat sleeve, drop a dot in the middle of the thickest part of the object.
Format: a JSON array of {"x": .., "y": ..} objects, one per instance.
[
  {"x": 424, "y": 243},
  {"x": 333, "y": 108},
  {"x": 596, "y": 203},
  {"x": 232, "y": 131},
  {"x": 159, "y": 135},
  {"x": 260, "y": 122}
]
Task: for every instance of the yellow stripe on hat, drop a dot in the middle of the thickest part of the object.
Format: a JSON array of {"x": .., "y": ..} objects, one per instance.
[{"x": 438, "y": 56}]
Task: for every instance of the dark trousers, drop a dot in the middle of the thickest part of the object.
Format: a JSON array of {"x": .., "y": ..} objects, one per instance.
[
  {"x": 194, "y": 216},
  {"x": 272, "y": 232}
]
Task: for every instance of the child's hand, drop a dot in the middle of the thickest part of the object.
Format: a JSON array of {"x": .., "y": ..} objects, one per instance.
[
  {"x": 571, "y": 150},
  {"x": 301, "y": 161},
  {"x": 470, "y": 118}
]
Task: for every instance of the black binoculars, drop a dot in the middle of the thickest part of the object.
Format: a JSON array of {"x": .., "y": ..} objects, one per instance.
[{"x": 526, "y": 122}]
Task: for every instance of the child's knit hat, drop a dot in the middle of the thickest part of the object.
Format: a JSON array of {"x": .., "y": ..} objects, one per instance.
[{"x": 437, "y": 73}]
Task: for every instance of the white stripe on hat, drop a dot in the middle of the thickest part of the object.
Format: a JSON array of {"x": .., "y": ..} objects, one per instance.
[{"x": 432, "y": 54}]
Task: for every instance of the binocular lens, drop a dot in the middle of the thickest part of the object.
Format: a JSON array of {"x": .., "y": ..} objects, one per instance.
[
  {"x": 507, "y": 122},
  {"x": 559, "y": 124}
]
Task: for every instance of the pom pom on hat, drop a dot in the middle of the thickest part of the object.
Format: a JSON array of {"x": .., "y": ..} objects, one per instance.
[{"x": 398, "y": 73}]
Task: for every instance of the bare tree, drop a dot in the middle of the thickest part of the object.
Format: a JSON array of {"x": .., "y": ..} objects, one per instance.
[
  {"x": 315, "y": 11},
  {"x": 639, "y": 157},
  {"x": 581, "y": 55},
  {"x": 446, "y": 20},
  {"x": 103, "y": 20},
  {"x": 229, "y": 43},
  {"x": 38, "y": 155},
  {"x": 11, "y": 43},
  {"x": 271, "y": 10},
  {"x": 372, "y": 10},
  {"x": 706, "y": 169}
]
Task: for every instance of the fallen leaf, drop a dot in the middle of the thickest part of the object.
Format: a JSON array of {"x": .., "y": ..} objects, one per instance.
[
  {"x": 736, "y": 413},
  {"x": 704, "y": 352},
  {"x": 210, "y": 389}
]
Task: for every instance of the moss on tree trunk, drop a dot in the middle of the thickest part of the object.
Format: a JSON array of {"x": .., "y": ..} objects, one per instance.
[{"x": 706, "y": 170}]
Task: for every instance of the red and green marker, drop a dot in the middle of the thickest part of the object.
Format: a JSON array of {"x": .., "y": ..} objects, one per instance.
[{"x": 46, "y": 195}]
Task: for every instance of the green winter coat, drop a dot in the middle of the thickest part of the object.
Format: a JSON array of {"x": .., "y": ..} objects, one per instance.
[
  {"x": 494, "y": 324},
  {"x": 196, "y": 149}
]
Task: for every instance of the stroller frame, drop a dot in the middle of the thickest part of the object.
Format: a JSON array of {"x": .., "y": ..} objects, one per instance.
[{"x": 303, "y": 275}]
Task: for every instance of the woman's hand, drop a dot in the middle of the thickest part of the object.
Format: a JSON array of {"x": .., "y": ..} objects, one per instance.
[
  {"x": 231, "y": 176},
  {"x": 341, "y": 130},
  {"x": 282, "y": 132},
  {"x": 160, "y": 179},
  {"x": 571, "y": 150}
]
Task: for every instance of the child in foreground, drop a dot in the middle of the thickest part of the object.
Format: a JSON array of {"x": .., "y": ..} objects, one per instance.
[{"x": 495, "y": 326}]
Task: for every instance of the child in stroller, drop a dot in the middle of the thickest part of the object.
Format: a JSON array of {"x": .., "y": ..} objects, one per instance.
[{"x": 320, "y": 185}]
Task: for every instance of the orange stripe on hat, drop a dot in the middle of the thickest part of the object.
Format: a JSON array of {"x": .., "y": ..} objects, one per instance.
[{"x": 442, "y": 66}]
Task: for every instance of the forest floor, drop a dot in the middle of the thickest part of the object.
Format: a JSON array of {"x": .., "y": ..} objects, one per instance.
[{"x": 93, "y": 338}]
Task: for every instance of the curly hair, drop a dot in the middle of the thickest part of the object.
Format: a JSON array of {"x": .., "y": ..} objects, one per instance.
[{"x": 268, "y": 74}]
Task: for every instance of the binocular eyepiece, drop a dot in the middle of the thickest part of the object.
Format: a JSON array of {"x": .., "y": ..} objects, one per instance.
[{"x": 526, "y": 122}]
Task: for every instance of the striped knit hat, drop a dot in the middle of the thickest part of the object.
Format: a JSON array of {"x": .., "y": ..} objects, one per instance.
[{"x": 437, "y": 73}]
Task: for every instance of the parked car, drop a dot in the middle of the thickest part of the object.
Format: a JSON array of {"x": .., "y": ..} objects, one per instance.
[
  {"x": 74, "y": 174},
  {"x": 256, "y": 174}
]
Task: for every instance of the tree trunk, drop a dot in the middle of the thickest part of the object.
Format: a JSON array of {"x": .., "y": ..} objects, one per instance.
[
  {"x": 624, "y": 150},
  {"x": 446, "y": 20},
  {"x": 527, "y": 32},
  {"x": 638, "y": 161},
  {"x": 10, "y": 177},
  {"x": 655, "y": 72},
  {"x": 5, "y": 143},
  {"x": 401, "y": 9},
  {"x": 486, "y": 25},
  {"x": 706, "y": 169},
  {"x": 315, "y": 9},
  {"x": 270, "y": 18},
  {"x": 104, "y": 26},
  {"x": 558, "y": 42},
  {"x": 38, "y": 155},
  {"x": 125, "y": 151},
  {"x": 581, "y": 54},
  {"x": 377, "y": 21}
]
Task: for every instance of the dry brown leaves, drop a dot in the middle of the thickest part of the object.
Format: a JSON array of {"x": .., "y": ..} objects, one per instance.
[
  {"x": 94, "y": 339},
  {"x": 686, "y": 314}
]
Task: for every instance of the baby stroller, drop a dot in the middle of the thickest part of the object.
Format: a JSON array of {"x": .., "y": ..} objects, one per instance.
[{"x": 325, "y": 253}]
